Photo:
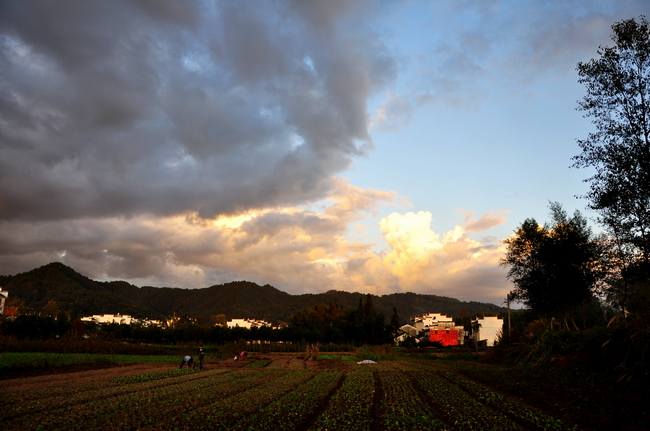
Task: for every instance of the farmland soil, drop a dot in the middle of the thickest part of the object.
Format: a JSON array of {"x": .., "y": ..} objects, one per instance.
[{"x": 572, "y": 405}]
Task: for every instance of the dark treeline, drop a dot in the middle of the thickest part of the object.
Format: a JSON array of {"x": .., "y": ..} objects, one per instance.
[
  {"x": 323, "y": 324},
  {"x": 334, "y": 324}
]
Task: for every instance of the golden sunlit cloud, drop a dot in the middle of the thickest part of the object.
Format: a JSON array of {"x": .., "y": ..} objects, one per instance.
[
  {"x": 232, "y": 222},
  {"x": 294, "y": 249},
  {"x": 419, "y": 257}
]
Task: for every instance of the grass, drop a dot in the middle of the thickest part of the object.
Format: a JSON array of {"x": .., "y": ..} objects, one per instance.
[
  {"x": 341, "y": 357},
  {"x": 46, "y": 360},
  {"x": 34, "y": 362}
]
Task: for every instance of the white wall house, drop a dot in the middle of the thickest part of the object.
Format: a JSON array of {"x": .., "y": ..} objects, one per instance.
[
  {"x": 110, "y": 318},
  {"x": 120, "y": 319},
  {"x": 490, "y": 329},
  {"x": 429, "y": 324},
  {"x": 432, "y": 321},
  {"x": 248, "y": 323},
  {"x": 3, "y": 297},
  {"x": 404, "y": 332}
]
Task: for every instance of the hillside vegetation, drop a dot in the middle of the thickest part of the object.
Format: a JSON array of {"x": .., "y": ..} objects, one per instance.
[{"x": 82, "y": 296}]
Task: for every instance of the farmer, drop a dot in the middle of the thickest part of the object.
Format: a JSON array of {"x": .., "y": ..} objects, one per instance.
[
  {"x": 201, "y": 354},
  {"x": 243, "y": 355},
  {"x": 187, "y": 360}
]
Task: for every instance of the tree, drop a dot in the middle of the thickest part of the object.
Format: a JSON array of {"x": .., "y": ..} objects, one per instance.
[
  {"x": 394, "y": 320},
  {"x": 51, "y": 309},
  {"x": 626, "y": 287},
  {"x": 618, "y": 101},
  {"x": 476, "y": 328},
  {"x": 219, "y": 319},
  {"x": 16, "y": 303},
  {"x": 554, "y": 267}
]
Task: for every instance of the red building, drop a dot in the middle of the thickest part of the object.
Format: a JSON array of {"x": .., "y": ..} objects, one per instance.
[{"x": 446, "y": 337}]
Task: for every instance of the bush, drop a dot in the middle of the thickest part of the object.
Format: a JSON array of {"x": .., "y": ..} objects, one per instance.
[{"x": 627, "y": 350}]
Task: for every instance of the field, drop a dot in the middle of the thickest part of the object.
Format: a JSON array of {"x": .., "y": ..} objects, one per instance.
[{"x": 264, "y": 393}]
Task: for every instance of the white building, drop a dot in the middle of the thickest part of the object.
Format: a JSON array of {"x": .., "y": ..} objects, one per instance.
[
  {"x": 122, "y": 319},
  {"x": 110, "y": 318},
  {"x": 3, "y": 297},
  {"x": 489, "y": 330},
  {"x": 432, "y": 321},
  {"x": 404, "y": 332},
  {"x": 248, "y": 323},
  {"x": 429, "y": 325}
]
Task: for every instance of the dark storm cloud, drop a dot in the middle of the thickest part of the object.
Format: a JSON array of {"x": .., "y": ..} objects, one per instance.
[{"x": 119, "y": 108}]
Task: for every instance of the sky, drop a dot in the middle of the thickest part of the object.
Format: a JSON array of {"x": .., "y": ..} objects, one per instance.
[{"x": 364, "y": 146}]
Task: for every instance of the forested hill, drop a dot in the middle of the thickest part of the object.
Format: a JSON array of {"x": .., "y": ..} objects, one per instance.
[{"x": 240, "y": 299}]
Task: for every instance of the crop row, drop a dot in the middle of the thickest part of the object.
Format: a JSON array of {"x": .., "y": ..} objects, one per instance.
[
  {"x": 408, "y": 365},
  {"x": 403, "y": 408},
  {"x": 293, "y": 409},
  {"x": 68, "y": 396},
  {"x": 146, "y": 399},
  {"x": 8, "y": 404},
  {"x": 146, "y": 377},
  {"x": 350, "y": 409},
  {"x": 94, "y": 389},
  {"x": 367, "y": 397},
  {"x": 225, "y": 413},
  {"x": 467, "y": 413},
  {"x": 147, "y": 412},
  {"x": 531, "y": 417}
]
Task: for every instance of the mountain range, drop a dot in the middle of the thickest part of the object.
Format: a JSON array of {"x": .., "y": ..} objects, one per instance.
[{"x": 82, "y": 296}]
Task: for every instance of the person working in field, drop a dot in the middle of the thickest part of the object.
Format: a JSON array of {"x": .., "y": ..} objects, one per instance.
[
  {"x": 201, "y": 355},
  {"x": 187, "y": 360}
]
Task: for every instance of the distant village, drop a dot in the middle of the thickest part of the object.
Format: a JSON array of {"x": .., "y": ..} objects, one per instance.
[
  {"x": 438, "y": 328},
  {"x": 429, "y": 327}
]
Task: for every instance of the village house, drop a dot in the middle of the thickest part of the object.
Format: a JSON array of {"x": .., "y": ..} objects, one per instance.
[
  {"x": 122, "y": 319},
  {"x": 248, "y": 323},
  {"x": 109, "y": 318},
  {"x": 437, "y": 320},
  {"x": 6, "y": 310},
  {"x": 3, "y": 297},
  {"x": 405, "y": 332},
  {"x": 487, "y": 329},
  {"x": 439, "y": 328}
]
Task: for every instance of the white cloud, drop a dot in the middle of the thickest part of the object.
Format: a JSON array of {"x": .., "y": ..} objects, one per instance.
[{"x": 485, "y": 221}]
